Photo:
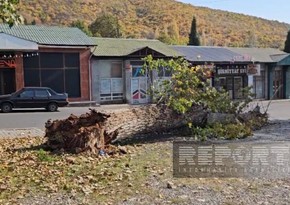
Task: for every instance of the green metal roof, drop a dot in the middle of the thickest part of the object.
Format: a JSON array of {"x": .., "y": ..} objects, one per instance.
[
  {"x": 49, "y": 35},
  {"x": 117, "y": 47},
  {"x": 230, "y": 54},
  {"x": 258, "y": 54}
]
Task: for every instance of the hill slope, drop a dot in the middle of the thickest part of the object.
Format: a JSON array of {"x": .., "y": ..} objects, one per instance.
[{"x": 151, "y": 18}]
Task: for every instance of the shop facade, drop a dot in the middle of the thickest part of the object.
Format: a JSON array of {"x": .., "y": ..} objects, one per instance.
[
  {"x": 117, "y": 74},
  {"x": 265, "y": 70},
  {"x": 279, "y": 78},
  {"x": 11, "y": 49},
  {"x": 271, "y": 80},
  {"x": 52, "y": 57},
  {"x": 231, "y": 78}
]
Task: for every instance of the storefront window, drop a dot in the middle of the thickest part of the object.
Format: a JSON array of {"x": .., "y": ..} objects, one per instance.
[
  {"x": 259, "y": 85},
  {"x": 59, "y": 71},
  {"x": 116, "y": 70},
  {"x": 231, "y": 78},
  {"x": 137, "y": 69}
]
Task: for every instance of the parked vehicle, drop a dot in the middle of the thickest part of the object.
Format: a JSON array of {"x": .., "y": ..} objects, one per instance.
[{"x": 33, "y": 97}]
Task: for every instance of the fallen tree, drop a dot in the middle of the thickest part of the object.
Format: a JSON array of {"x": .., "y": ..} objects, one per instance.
[{"x": 95, "y": 131}]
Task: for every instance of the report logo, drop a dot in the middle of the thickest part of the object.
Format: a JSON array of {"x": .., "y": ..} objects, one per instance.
[{"x": 242, "y": 159}]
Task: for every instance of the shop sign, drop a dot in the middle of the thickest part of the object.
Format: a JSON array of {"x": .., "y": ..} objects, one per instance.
[
  {"x": 245, "y": 57},
  {"x": 7, "y": 63},
  {"x": 231, "y": 71},
  {"x": 254, "y": 69},
  {"x": 207, "y": 66}
]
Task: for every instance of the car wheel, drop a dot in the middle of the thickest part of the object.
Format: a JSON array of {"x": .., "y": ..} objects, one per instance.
[
  {"x": 6, "y": 107},
  {"x": 52, "y": 107}
]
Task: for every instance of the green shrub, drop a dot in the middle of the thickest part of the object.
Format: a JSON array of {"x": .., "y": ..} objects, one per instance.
[
  {"x": 44, "y": 156},
  {"x": 222, "y": 131}
]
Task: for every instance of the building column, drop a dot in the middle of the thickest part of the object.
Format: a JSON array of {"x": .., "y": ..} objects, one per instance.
[
  {"x": 19, "y": 71},
  {"x": 96, "y": 81},
  {"x": 128, "y": 75},
  {"x": 85, "y": 75},
  {"x": 270, "y": 82}
]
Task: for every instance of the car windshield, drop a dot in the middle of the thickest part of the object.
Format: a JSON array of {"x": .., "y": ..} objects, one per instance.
[{"x": 17, "y": 92}]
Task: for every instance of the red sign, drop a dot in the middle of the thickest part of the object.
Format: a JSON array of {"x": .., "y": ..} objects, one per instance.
[{"x": 7, "y": 63}]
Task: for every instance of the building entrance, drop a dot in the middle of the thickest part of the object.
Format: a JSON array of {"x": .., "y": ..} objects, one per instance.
[
  {"x": 233, "y": 85},
  {"x": 278, "y": 84},
  {"x": 7, "y": 81}
]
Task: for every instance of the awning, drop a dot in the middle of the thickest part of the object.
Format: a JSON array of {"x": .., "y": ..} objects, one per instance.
[
  {"x": 12, "y": 43},
  {"x": 284, "y": 61}
]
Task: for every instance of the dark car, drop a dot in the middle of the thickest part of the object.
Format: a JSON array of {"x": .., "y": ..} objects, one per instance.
[{"x": 33, "y": 97}]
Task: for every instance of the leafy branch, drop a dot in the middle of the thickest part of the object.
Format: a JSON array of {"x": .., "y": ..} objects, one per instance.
[{"x": 9, "y": 13}]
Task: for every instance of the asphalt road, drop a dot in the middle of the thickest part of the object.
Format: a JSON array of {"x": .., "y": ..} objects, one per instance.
[
  {"x": 278, "y": 110},
  {"x": 36, "y": 118}
]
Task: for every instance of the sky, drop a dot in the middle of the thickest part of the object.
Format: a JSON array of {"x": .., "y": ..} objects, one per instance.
[{"x": 269, "y": 9}]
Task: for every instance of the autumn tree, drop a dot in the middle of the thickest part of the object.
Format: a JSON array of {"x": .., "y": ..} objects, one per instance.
[
  {"x": 165, "y": 39},
  {"x": 193, "y": 36},
  {"x": 26, "y": 22},
  {"x": 251, "y": 40},
  {"x": 106, "y": 25},
  {"x": 173, "y": 31},
  {"x": 287, "y": 43},
  {"x": 8, "y": 12},
  {"x": 82, "y": 26}
]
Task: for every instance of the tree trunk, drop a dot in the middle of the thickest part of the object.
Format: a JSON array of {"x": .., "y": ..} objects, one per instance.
[{"x": 95, "y": 131}]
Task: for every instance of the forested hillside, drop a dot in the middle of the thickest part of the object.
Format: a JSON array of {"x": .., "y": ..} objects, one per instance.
[{"x": 162, "y": 18}]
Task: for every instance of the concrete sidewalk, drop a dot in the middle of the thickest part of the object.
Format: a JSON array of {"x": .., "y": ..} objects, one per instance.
[
  {"x": 277, "y": 109},
  {"x": 20, "y": 132}
]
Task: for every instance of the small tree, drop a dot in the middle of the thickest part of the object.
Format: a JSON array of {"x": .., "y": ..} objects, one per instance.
[
  {"x": 82, "y": 26},
  {"x": 193, "y": 36},
  {"x": 165, "y": 39},
  {"x": 8, "y": 12},
  {"x": 287, "y": 43},
  {"x": 189, "y": 88},
  {"x": 106, "y": 26}
]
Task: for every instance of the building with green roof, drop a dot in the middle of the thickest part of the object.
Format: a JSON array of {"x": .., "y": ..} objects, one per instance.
[
  {"x": 267, "y": 70},
  {"x": 117, "y": 65},
  {"x": 51, "y": 56}
]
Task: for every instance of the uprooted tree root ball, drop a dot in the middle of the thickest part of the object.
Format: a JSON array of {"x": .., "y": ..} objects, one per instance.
[{"x": 80, "y": 134}]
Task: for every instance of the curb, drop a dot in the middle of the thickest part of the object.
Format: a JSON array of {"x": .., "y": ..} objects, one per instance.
[
  {"x": 21, "y": 132},
  {"x": 83, "y": 104}
]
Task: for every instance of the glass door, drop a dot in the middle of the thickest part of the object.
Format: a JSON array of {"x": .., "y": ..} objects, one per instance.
[
  {"x": 278, "y": 84},
  {"x": 7, "y": 81},
  {"x": 230, "y": 86},
  {"x": 238, "y": 85}
]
